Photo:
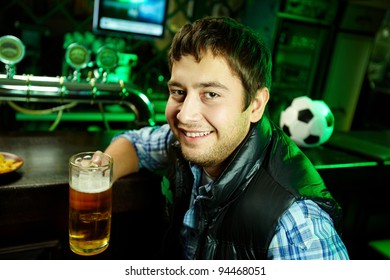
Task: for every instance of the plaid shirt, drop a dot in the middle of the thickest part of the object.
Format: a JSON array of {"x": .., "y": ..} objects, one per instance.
[{"x": 304, "y": 232}]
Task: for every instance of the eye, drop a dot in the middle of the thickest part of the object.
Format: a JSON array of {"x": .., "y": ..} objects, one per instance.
[
  {"x": 211, "y": 95},
  {"x": 177, "y": 95},
  {"x": 176, "y": 92}
]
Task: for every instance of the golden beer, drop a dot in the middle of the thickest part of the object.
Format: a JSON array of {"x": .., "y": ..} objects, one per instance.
[
  {"x": 89, "y": 221},
  {"x": 90, "y": 207}
]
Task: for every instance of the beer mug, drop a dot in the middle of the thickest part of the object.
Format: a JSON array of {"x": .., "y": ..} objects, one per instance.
[{"x": 90, "y": 202}]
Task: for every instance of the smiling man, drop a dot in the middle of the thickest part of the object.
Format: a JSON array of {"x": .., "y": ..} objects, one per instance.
[
  {"x": 206, "y": 110},
  {"x": 241, "y": 188}
]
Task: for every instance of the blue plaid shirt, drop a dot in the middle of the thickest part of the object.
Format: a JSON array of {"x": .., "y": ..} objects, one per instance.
[{"x": 304, "y": 232}]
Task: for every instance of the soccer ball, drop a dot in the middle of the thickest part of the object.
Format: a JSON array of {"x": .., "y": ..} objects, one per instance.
[{"x": 309, "y": 123}]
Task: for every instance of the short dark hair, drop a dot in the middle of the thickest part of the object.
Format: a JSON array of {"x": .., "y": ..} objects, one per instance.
[{"x": 243, "y": 49}]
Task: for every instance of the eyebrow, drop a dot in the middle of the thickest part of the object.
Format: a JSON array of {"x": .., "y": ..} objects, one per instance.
[
  {"x": 174, "y": 83},
  {"x": 200, "y": 85}
]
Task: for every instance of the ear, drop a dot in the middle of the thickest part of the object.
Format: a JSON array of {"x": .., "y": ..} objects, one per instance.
[{"x": 259, "y": 104}]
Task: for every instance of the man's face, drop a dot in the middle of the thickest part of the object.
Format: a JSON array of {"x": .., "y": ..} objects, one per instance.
[{"x": 205, "y": 110}]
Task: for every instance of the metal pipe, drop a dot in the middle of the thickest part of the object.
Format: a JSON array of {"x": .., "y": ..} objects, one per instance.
[{"x": 30, "y": 88}]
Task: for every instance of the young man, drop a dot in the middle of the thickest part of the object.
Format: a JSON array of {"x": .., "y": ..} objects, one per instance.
[{"x": 241, "y": 188}]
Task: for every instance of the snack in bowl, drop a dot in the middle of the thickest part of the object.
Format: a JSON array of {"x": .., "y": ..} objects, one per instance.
[{"x": 9, "y": 163}]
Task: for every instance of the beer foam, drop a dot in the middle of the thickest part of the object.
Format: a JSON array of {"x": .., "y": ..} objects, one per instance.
[{"x": 90, "y": 183}]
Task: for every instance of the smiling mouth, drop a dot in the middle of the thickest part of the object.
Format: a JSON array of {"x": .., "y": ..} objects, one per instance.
[{"x": 196, "y": 134}]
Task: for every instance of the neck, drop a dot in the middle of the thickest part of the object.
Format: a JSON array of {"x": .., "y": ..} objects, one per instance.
[{"x": 213, "y": 171}]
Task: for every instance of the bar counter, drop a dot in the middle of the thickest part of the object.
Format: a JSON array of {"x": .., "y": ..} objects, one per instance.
[{"x": 34, "y": 199}]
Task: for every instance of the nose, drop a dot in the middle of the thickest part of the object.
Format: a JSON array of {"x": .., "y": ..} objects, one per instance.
[{"x": 190, "y": 109}]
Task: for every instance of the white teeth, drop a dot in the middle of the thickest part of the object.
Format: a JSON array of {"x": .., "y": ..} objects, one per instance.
[{"x": 197, "y": 134}]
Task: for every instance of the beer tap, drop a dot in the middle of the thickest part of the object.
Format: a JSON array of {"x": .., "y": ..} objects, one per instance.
[
  {"x": 12, "y": 51},
  {"x": 77, "y": 56},
  {"x": 106, "y": 60}
]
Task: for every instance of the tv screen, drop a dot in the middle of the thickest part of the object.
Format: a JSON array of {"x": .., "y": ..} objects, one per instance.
[{"x": 130, "y": 17}]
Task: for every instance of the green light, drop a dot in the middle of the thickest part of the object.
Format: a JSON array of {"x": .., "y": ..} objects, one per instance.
[
  {"x": 77, "y": 116},
  {"x": 346, "y": 165},
  {"x": 382, "y": 246}
]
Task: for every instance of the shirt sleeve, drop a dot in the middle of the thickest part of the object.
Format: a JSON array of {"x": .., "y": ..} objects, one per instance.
[
  {"x": 306, "y": 232},
  {"x": 151, "y": 145}
]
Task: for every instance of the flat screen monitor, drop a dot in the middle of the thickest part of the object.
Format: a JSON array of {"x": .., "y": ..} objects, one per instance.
[{"x": 130, "y": 17}]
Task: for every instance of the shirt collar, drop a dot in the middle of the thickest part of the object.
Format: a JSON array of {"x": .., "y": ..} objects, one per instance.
[{"x": 197, "y": 172}]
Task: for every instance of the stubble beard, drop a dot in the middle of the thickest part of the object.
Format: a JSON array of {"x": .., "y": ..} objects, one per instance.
[{"x": 215, "y": 156}]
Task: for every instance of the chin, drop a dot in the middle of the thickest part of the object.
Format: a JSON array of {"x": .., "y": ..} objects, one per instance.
[
  {"x": 199, "y": 159},
  {"x": 190, "y": 155},
  {"x": 193, "y": 156}
]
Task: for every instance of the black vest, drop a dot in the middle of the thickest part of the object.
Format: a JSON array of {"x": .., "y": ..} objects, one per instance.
[{"x": 265, "y": 175}]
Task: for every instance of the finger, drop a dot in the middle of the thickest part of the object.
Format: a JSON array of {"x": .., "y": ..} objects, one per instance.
[{"x": 97, "y": 158}]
